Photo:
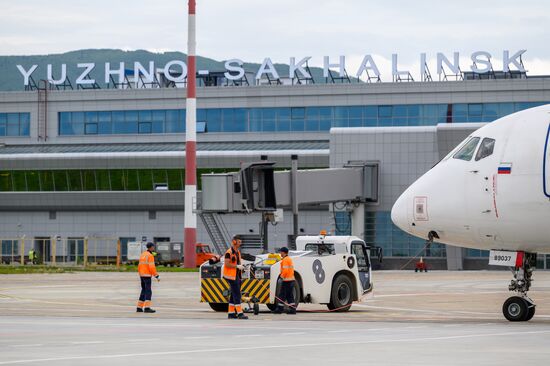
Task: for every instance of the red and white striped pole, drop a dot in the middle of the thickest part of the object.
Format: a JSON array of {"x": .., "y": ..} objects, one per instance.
[{"x": 190, "y": 234}]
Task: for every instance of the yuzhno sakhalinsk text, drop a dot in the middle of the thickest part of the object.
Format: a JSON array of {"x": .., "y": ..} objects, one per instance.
[{"x": 176, "y": 70}]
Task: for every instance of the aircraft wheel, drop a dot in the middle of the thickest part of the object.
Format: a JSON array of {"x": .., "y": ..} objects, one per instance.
[
  {"x": 515, "y": 309},
  {"x": 530, "y": 313},
  {"x": 219, "y": 307}
]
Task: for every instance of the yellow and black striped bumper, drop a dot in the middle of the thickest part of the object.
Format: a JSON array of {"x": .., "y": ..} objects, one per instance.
[{"x": 212, "y": 290}]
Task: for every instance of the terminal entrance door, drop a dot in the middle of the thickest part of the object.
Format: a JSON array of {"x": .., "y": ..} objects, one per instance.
[
  {"x": 124, "y": 247},
  {"x": 76, "y": 250},
  {"x": 42, "y": 247}
]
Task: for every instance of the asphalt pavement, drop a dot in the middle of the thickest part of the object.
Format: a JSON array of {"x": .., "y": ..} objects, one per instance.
[{"x": 438, "y": 318}]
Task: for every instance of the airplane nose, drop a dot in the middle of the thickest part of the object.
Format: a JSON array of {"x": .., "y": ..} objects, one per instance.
[{"x": 399, "y": 213}]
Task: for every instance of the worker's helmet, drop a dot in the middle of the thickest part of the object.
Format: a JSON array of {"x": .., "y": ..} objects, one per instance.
[
  {"x": 150, "y": 245},
  {"x": 283, "y": 250}
]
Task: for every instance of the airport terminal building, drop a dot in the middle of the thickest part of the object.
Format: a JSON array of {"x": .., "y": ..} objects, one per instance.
[{"x": 109, "y": 163}]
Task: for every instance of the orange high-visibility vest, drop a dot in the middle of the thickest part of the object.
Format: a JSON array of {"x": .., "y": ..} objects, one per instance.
[
  {"x": 287, "y": 269},
  {"x": 232, "y": 256},
  {"x": 146, "y": 267}
]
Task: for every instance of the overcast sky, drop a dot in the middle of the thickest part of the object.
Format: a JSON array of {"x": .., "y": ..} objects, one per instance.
[{"x": 251, "y": 30}]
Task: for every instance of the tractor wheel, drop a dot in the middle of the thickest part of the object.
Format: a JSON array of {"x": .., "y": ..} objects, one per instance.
[
  {"x": 219, "y": 307},
  {"x": 341, "y": 295}
]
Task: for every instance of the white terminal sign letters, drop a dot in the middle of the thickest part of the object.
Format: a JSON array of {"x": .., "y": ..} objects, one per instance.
[{"x": 176, "y": 70}]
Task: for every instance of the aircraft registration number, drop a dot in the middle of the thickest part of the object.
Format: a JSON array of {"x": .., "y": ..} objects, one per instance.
[{"x": 502, "y": 258}]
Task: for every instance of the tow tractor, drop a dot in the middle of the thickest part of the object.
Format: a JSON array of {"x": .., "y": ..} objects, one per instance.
[{"x": 331, "y": 270}]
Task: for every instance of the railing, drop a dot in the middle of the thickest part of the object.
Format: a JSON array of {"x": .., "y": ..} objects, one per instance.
[
  {"x": 55, "y": 251},
  {"x": 217, "y": 231}
]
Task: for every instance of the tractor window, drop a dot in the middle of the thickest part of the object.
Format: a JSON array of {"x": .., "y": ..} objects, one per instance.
[
  {"x": 485, "y": 148},
  {"x": 320, "y": 248},
  {"x": 467, "y": 150}
]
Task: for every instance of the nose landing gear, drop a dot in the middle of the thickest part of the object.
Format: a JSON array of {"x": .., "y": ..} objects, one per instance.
[{"x": 521, "y": 307}]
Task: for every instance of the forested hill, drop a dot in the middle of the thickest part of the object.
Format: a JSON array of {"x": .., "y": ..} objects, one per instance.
[{"x": 12, "y": 80}]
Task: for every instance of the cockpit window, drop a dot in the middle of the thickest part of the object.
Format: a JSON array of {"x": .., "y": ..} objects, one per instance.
[
  {"x": 485, "y": 148},
  {"x": 467, "y": 150}
]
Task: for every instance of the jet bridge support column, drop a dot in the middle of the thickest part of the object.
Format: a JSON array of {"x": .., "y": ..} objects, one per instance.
[
  {"x": 358, "y": 220},
  {"x": 294, "y": 198},
  {"x": 455, "y": 259}
]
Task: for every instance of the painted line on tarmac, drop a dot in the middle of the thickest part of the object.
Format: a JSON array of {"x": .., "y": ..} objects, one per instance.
[
  {"x": 138, "y": 323},
  {"x": 24, "y": 287},
  {"x": 99, "y": 305},
  {"x": 26, "y": 345},
  {"x": 88, "y": 342},
  {"x": 42, "y": 309},
  {"x": 446, "y": 312},
  {"x": 100, "y": 324},
  {"x": 439, "y": 293},
  {"x": 242, "y": 326},
  {"x": 339, "y": 331},
  {"x": 247, "y": 335},
  {"x": 142, "y": 340},
  {"x": 267, "y": 347}
]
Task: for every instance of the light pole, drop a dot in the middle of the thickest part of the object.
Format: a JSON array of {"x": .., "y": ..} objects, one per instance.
[{"x": 190, "y": 231}]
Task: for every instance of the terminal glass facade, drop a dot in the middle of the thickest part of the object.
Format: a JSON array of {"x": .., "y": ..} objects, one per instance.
[
  {"x": 95, "y": 179},
  {"x": 9, "y": 247},
  {"x": 284, "y": 119},
  {"x": 15, "y": 124}
]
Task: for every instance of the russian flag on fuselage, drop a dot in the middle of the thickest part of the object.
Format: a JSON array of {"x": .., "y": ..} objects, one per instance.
[{"x": 505, "y": 168}]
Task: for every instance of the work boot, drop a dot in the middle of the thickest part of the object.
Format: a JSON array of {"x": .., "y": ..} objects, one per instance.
[
  {"x": 231, "y": 316},
  {"x": 278, "y": 310},
  {"x": 291, "y": 311},
  {"x": 241, "y": 316},
  {"x": 149, "y": 310},
  {"x": 139, "y": 310}
]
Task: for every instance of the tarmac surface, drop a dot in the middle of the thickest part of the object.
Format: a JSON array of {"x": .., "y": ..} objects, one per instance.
[{"x": 435, "y": 318}]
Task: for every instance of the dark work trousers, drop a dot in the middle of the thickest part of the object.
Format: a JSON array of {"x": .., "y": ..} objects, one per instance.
[
  {"x": 146, "y": 292},
  {"x": 287, "y": 293},
  {"x": 235, "y": 287}
]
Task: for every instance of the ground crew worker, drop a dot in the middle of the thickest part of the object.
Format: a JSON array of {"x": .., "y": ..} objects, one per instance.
[
  {"x": 32, "y": 256},
  {"x": 287, "y": 288},
  {"x": 147, "y": 271},
  {"x": 232, "y": 268}
]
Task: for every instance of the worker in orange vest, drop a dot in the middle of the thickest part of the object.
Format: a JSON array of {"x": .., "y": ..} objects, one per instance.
[
  {"x": 232, "y": 268},
  {"x": 287, "y": 287},
  {"x": 147, "y": 271}
]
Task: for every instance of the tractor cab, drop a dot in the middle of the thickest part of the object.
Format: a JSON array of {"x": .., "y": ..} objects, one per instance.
[{"x": 325, "y": 245}]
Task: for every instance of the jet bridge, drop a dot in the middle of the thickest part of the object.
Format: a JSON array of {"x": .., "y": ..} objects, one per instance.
[{"x": 259, "y": 187}]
